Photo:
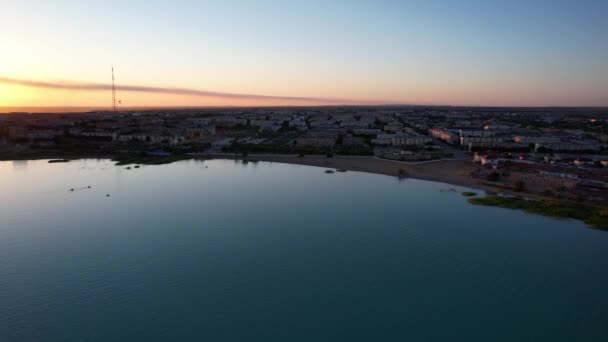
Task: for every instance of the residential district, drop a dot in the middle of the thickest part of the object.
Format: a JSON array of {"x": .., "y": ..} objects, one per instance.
[{"x": 548, "y": 152}]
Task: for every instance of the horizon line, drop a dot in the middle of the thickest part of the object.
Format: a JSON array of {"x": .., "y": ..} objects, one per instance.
[
  {"x": 91, "y": 86},
  {"x": 311, "y": 101},
  {"x": 87, "y": 109}
]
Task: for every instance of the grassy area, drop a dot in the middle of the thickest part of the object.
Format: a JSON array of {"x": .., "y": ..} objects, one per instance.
[
  {"x": 594, "y": 216},
  {"x": 469, "y": 194}
]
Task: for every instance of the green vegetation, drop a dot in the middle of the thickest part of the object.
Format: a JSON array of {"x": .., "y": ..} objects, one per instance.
[
  {"x": 594, "y": 216},
  {"x": 418, "y": 156},
  {"x": 440, "y": 155},
  {"x": 282, "y": 148},
  {"x": 469, "y": 194},
  {"x": 273, "y": 148},
  {"x": 128, "y": 159},
  {"x": 519, "y": 186}
]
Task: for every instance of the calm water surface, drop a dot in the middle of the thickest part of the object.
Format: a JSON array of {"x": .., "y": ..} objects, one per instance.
[{"x": 221, "y": 251}]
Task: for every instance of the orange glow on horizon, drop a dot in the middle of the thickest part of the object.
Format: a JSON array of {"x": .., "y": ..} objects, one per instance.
[
  {"x": 427, "y": 93},
  {"x": 11, "y": 95}
]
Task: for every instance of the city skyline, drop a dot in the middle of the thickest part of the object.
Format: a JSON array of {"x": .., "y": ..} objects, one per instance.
[{"x": 315, "y": 53}]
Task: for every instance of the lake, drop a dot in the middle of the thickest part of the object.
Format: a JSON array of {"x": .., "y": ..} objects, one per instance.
[{"x": 224, "y": 251}]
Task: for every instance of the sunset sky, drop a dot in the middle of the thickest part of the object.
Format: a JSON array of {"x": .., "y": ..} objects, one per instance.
[{"x": 209, "y": 53}]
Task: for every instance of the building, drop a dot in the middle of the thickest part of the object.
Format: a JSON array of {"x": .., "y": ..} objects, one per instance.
[
  {"x": 570, "y": 146},
  {"x": 486, "y": 158},
  {"x": 367, "y": 131},
  {"x": 445, "y": 135},
  {"x": 473, "y": 132},
  {"x": 479, "y": 142},
  {"x": 100, "y": 134},
  {"x": 315, "y": 141},
  {"x": 383, "y": 140},
  {"x": 16, "y": 132},
  {"x": 410, "y": 140},
  {"x": 393, "y": 126}
]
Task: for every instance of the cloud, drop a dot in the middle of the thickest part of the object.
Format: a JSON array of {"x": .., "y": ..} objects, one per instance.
[{"x": 85, "y": 86}]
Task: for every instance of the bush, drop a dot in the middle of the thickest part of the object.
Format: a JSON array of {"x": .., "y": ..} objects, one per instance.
[{"x": 520, "y": 185}]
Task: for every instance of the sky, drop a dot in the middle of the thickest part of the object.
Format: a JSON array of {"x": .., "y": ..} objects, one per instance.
[{"x": 234, "y": 53}]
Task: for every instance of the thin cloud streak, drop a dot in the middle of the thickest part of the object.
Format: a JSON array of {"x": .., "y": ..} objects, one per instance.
[{"x": 84, "y": 86}]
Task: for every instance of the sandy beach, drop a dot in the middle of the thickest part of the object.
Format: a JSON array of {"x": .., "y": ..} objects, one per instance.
[{"x": 456, "y": 172}]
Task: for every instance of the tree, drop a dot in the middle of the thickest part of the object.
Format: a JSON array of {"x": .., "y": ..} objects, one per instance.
[
  {"x": 520, "y": 185},
  {"x": 492, "y": 177}
]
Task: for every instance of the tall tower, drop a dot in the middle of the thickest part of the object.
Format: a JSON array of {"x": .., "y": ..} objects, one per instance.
[{"x": 113, "y": 91}]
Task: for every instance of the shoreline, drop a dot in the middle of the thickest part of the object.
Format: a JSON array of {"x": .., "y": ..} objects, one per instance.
[
  {"x": 452, "y": 172},
  {"x": 455, "y": 172},
  {"x": 449, "y": 171}
]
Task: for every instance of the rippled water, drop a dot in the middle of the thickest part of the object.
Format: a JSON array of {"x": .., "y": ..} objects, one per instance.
[{"x": 221, "y": 251}]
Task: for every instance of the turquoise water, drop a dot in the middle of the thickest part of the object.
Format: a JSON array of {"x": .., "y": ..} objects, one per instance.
[{"x": 222, "y": 251}]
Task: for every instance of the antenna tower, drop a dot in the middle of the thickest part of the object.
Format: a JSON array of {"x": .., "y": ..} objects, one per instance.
[{"x": 113, "y": 91}]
